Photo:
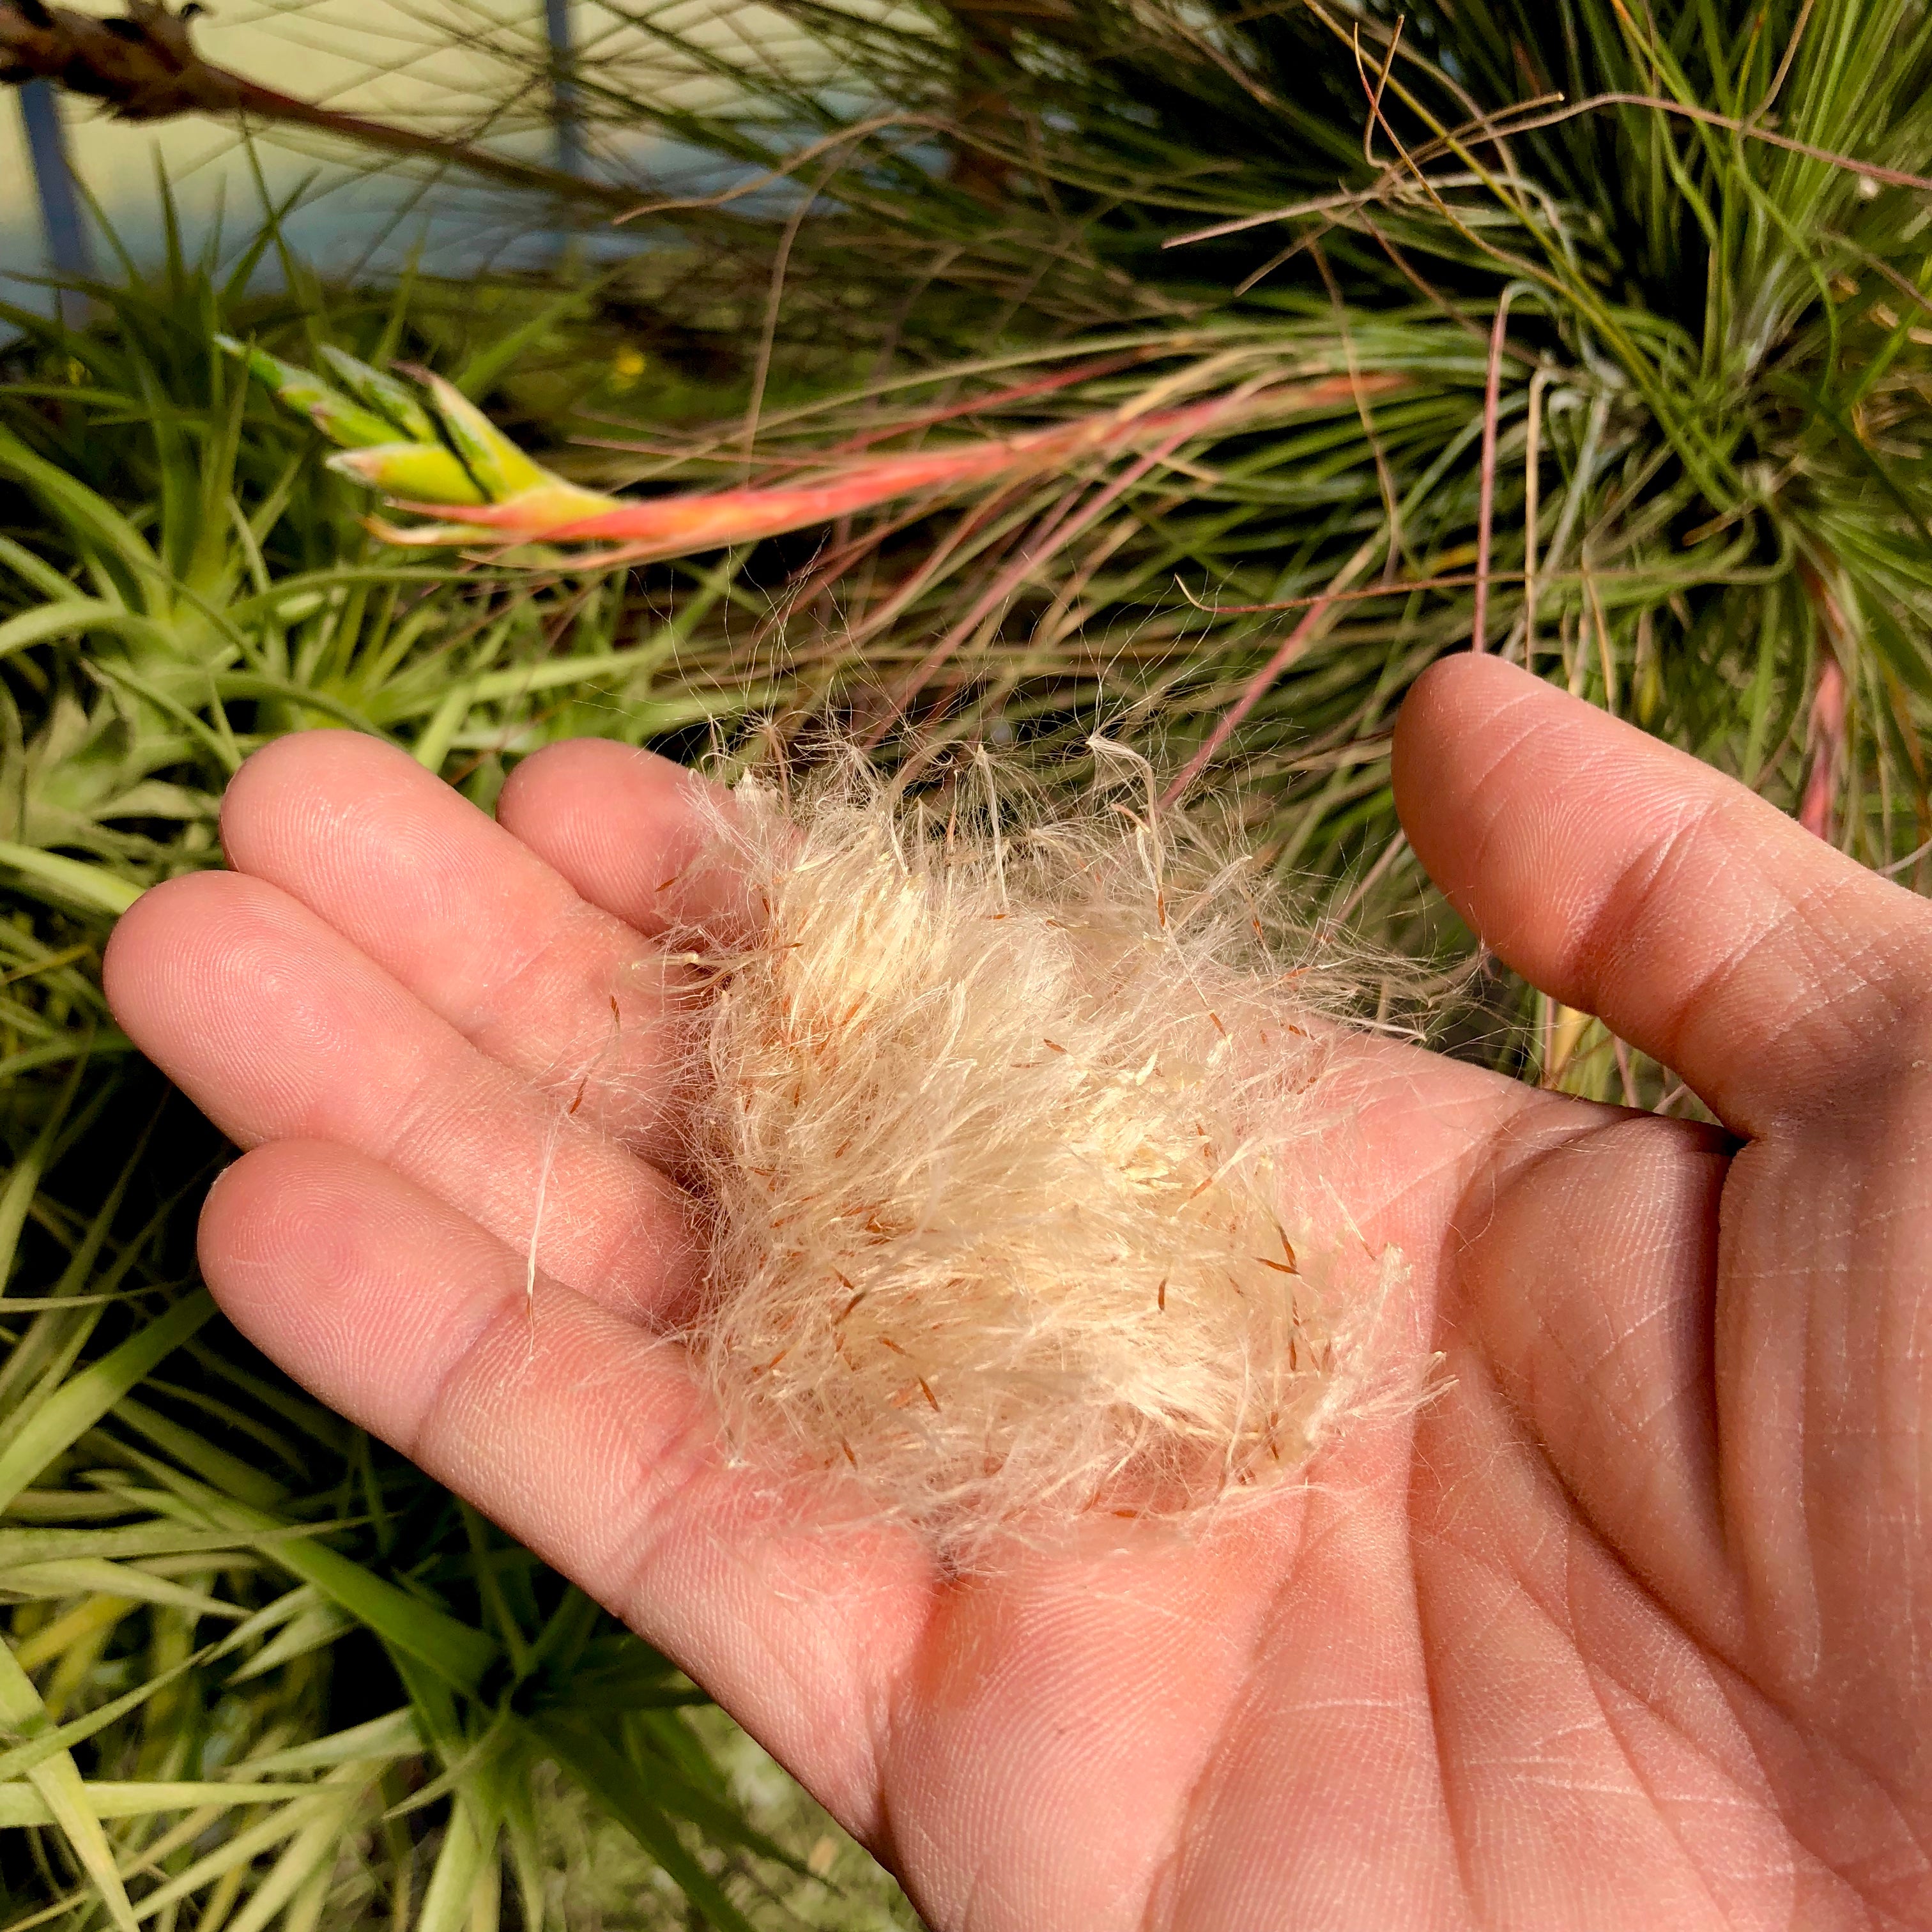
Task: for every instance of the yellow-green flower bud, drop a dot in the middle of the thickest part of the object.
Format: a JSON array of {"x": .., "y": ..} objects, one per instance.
[
  {"x": 341, "y": 421},
  {"x": 410, "y": 473},
  {"x": 501, "y": 470},
  {"x": 381, "y": 393}
]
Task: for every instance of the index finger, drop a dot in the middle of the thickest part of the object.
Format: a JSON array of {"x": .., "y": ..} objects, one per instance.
[{"x": 1631, "y": 881}]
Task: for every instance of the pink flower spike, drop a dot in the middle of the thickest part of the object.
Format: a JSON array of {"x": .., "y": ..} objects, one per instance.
[{"x": 556, "y": 512}]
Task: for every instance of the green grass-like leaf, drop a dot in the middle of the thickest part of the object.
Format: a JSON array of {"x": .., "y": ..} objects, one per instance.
[{"x": 205, "y": 1578}]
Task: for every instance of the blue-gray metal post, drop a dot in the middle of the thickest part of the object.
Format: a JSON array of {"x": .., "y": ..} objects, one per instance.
[
  {"x": 69, "y": 255},
  {"x": 565, "y": 111}
]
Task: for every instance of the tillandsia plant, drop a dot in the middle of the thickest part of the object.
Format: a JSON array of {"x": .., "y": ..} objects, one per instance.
[
  {"x": 1654, "y": 288},
  {"x": 457, "y": 467},
  {"x": 258, "y": 1671},
  {"x": 1701, "y": 235},
  {"x": 1631, "y": 308}
]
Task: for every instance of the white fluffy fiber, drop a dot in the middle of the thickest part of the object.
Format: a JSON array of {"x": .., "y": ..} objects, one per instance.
[{"x": 995, "y": 1157}]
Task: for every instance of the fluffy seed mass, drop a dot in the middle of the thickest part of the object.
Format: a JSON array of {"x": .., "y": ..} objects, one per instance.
[{"x": 995, "y": 1154}]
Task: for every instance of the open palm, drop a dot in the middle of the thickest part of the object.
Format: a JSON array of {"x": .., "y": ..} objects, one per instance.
[{"x": 1631, "y": 1626}]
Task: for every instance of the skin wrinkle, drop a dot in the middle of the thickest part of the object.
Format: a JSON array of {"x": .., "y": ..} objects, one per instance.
[
  {"x": 1603, "y": 933},
  {"x": 1144, "y": 1597},
  {"x": 507, "y": 977},
  {"x": 1840, "y": 1426},
  {"x": 1206, "y": 1774},
  {"x": 1732, "y": 1682},
  {"x": 1733, "y": 967},
  {"x": 678, "y": 1463},
  {"x": 603, "y": 1251},
  {"x": 649, "y": 885},
  {"x": 256, "y": 934},
  {"x": 1466, "y": 1827},
  {"x": 1797, "y": 1816},
  {"x": 1461, "y": 1832},
  {"x": 1628, "y": 906},
  {"x": 420, "y": 1442},
  {"x": 631, "y": 1100},
  {"x": 1566, "y": 1626},
  {"x": 1587, "y": 1373},
  {"x": 478, "y": 1347},
  {"x": 1648, "y": 1598},
  {"x": 861, "y": 1799},
  {"x": 536, "y": 923},
  {"x": 1195, "y": 1878},
  {"x": 447, "y": 886},
  {"x": 1626, "y": 1751},
  {"x": 1586, "y": 1519}
]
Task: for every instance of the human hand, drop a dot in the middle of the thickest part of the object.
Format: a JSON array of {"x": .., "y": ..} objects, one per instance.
[{"x": 1631, "y": 1626}]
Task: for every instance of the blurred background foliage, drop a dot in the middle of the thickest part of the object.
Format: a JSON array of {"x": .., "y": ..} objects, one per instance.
[{"x": 1629, "y": 312}]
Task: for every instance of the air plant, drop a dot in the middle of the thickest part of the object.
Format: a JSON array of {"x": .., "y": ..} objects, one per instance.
[
  {"x": 1657, "y": 287},
  {"x": 460, "y": 467}
]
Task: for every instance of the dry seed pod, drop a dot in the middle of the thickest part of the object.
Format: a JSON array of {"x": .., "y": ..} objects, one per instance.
[{"x": 994, "y": 1153}]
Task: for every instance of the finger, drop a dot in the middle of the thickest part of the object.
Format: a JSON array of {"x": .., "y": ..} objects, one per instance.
[
  {"x": 1632, "y": 882},
  {"x": 278, "y": 1028},
  {"x": 470, "y": 921},
  {"x": 584, "y": 1437},
  {"x": 575, "y": 805}
]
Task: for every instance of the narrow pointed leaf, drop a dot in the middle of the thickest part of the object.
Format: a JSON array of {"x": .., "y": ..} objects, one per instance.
[
  {"x": 500, "y": 468},
  {"x": 89, "y": 1395},
  {"x": 624, "y": 1792},
  {"x": 23, "y": 1805},
  {"x": 61, "y": 1791}
]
